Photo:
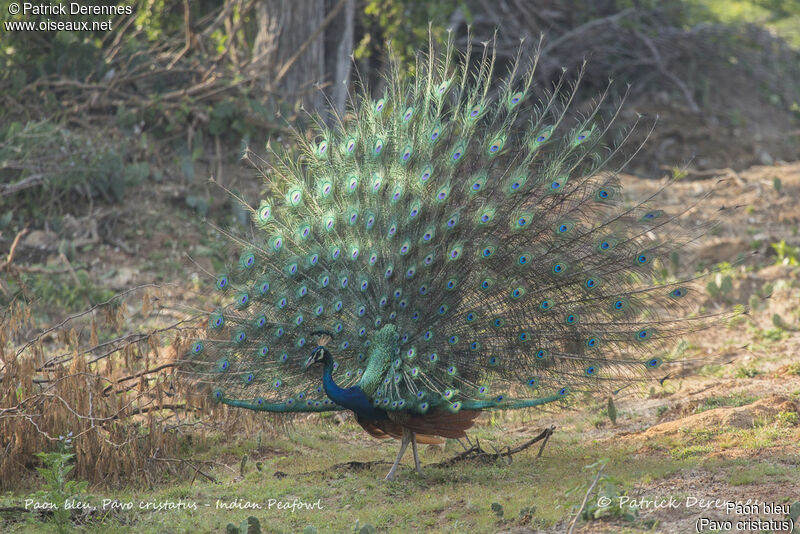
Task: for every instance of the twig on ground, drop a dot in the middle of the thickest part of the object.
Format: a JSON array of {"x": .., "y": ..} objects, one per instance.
[
  {"x": 187, "y": 462},
  {"x": 585, "y": 499}
]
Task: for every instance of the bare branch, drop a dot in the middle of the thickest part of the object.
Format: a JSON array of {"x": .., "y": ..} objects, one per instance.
[{"x": 585, "y": 499}]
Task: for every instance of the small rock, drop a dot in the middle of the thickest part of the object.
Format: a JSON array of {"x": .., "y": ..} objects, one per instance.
[
  {"x": 122, "y": 279},
  {"x": 41, "y": 239},
  {"x": 764, "y": 158}
]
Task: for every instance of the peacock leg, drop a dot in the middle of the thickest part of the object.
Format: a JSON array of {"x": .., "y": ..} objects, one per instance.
[
  {"x": 417, "y": 465},
  {"x": 406, "y": 439}
]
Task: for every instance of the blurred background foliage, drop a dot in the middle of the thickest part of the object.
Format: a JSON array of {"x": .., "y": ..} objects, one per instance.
[{"x": 178, "y": 89}]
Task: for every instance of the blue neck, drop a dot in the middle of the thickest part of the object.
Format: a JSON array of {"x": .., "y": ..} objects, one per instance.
[
  {"x": 333, "y": 391},
  {"x": 351, "y": 398}
]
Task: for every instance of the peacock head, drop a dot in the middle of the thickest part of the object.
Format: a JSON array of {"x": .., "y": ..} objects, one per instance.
[{"x": 320, "y": 353}]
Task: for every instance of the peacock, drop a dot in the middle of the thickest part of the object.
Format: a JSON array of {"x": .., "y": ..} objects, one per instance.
[{"x": 455, "y": 243}]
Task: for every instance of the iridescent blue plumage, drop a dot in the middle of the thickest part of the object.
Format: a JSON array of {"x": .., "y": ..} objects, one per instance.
[{"x": 352, "y": 398}]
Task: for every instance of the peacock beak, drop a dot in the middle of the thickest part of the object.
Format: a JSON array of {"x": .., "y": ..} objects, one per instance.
[{"x": 313, "y": 358}]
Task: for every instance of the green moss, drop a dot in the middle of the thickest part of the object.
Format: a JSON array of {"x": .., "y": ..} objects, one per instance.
[
  {"x": 735, "y": 400},
  {"x": 691, "y": 451}
]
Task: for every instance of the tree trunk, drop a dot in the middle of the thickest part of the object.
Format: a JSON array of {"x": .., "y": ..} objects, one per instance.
[
  {"x": 339, "y": 53},
  {"x": 283, "y": 27}
]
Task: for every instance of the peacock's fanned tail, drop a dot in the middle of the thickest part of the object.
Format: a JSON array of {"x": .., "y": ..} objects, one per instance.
[{"x": 464, "y": 240}]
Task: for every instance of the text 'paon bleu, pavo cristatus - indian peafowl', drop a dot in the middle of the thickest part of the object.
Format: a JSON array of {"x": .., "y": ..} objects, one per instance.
[{"x": 456, "y": 244}]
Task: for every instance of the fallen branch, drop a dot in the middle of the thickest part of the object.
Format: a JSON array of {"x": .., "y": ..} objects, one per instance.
[
  {"x": 31, "y": 181},
  {"x": 478, "y": 453}
]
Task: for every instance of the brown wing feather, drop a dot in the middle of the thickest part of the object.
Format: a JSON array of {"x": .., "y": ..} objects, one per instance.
[
  {"x": 372, "y": 429},
  {"x": 442, "y": 423},
  {"x": 423, "y": 439},
  {"x": 426, "y": 428}
]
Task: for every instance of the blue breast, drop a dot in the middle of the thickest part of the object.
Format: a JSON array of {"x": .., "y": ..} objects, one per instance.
[
  {"x": 355, "y": 399},
  {"x": 351, "y": 398}
]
